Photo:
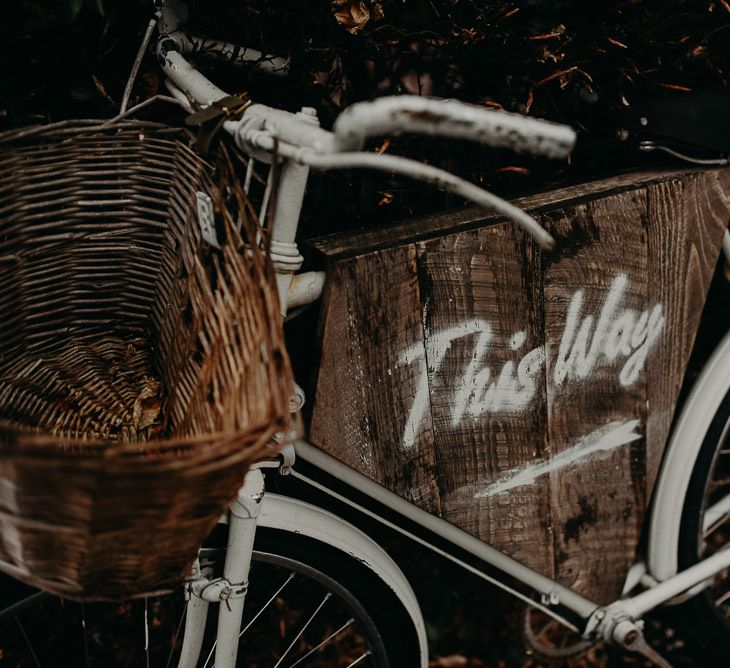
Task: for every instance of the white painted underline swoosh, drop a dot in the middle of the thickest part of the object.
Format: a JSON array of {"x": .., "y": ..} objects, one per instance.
[{"x": 599, "y": 444}]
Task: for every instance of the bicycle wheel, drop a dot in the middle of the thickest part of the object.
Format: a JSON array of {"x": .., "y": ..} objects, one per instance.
[
  {"x": 309, "y": 604},
  {"x": 705, "y": 529}
]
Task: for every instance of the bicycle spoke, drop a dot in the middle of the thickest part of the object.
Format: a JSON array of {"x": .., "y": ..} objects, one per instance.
[
  {"x": 255, "y": 617},
  {"x": 304, "y": 628},
  {"x": 332, "y": 636},
  {"x": 176, "y": 636},
  {"x": 210, "y": 655},
  {"x": 720, "y": 482},
  {"x": 86, "y": 639},
  {"x": 359, "y": 660},
  {"x": 716, "y": 515},
  {"x": 146, "y": 633},
  {"x": 27, "y": 642},
  {"x": 544, "y": 629},
  {"x": 723, "y": 599},
  {"x": 267, "y": 604}
]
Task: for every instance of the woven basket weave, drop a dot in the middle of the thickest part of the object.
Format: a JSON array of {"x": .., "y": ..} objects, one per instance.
[{"x": 141, "y": 369}]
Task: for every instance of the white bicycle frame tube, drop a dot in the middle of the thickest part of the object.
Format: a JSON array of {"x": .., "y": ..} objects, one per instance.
[
  {"x": 243, "y": 518},
  {"x": 550, "y": 591},
  {"x": 196, "y": 614},
  {"x": 691, "y": 428}
]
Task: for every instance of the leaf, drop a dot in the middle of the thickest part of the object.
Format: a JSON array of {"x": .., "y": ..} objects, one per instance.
[{"x": 354, "y": 16}]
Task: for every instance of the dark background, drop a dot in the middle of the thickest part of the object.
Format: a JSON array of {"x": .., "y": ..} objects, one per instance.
[{"x": 594, "y": 65}]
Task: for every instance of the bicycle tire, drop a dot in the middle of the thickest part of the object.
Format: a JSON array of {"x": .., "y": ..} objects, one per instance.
[
  {"x": 710, "y": 620},
  {"x": 379, "y": 613},
  {"x": 391, "y": 633}
]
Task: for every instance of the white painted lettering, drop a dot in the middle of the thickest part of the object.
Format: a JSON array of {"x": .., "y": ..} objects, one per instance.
[
  {"x": 613, "y": 335},
  {"x": 598, "y": 445}
]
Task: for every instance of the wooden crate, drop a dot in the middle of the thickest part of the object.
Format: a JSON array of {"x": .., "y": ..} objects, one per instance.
[{"x": 524, "y": 396}]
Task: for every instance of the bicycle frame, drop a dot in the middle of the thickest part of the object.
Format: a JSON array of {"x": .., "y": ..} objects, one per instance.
[{"x": 263, "y": 133}]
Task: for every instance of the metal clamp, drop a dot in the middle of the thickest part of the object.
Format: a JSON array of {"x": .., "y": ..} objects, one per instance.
[
  {"x": 550, "y": 598},
  {"x": 614, "y": 625},
  {"x": 215, "y": 591}
]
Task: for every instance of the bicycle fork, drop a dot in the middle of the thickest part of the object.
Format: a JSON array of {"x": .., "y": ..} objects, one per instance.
[{"x": 229, "y": 591}]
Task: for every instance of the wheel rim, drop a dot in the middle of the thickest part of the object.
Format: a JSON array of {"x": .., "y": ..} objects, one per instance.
[
  {"x": 713, "y": 531},
  {"x": 296, "y": 615}
]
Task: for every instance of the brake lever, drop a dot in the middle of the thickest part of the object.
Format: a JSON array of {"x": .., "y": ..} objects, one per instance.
[{"x": 649, "y": 145}]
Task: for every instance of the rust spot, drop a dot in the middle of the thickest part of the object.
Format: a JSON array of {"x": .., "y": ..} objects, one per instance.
[{"x": 431, "y": 117}]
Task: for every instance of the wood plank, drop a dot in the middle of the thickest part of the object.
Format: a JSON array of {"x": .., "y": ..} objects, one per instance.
[
  {"x": 686, "y": 222},
  {"x": 346, "y": 244},
  {"x": 482, "y": 309},
  {"x": 596, "y": 322},
  {"x": 365, "y": 386},
  {"x": 383, "y": 320}
]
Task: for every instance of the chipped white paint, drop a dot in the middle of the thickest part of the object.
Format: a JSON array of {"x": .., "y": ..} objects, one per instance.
[
  {"x": 588, "y": 342},
  {"x": 598, "y": 445}
]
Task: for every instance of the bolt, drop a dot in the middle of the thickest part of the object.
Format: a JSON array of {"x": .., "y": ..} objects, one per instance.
[
  {"x": 225, "y": 593},
  {"x": 631, "y": 637},
  {"x": 309, "y": 115}
]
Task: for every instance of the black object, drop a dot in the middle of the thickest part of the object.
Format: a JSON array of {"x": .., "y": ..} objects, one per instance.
[{"x": 694, "y": 121}]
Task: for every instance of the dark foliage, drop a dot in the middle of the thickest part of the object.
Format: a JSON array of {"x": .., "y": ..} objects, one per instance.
[{"x": 589, "y": 64}]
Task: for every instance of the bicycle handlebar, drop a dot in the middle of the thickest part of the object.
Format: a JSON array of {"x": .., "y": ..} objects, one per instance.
[
  {"x": 264, "y": 131},
  {"x": 399, "y": 114},
  {"x": 450, "y": 118},
  {"x": 260, "y": 140}
]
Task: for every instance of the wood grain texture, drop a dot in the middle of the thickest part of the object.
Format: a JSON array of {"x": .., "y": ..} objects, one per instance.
[
  {"x": 347, "y": 244},
  {"x": 561, "y": 484},
  {"x": 687, "y": 219},
  {"x": 596, "y": 505},
  {"x": 482, "y": 310},
  {"x": 364, "y": 391}
]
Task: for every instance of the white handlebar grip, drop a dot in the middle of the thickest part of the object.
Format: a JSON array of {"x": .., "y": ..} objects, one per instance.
[{"x": 450, "y": 118}]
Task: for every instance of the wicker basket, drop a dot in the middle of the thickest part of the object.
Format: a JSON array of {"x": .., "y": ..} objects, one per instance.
[{"x": 142, "y": 370}]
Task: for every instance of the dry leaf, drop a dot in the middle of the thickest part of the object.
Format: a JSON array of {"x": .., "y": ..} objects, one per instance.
[
  {"x": 453, "y": 661},
  {"x": 354, "y": 16},
  {"x": 146, "y": 409}
]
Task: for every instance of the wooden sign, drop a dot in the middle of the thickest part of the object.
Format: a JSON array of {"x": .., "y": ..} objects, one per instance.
[{"x": 524, "y": 396}]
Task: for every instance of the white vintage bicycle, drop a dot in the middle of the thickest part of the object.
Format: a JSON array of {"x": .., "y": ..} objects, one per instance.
[{"x": 344, "y": 598}]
